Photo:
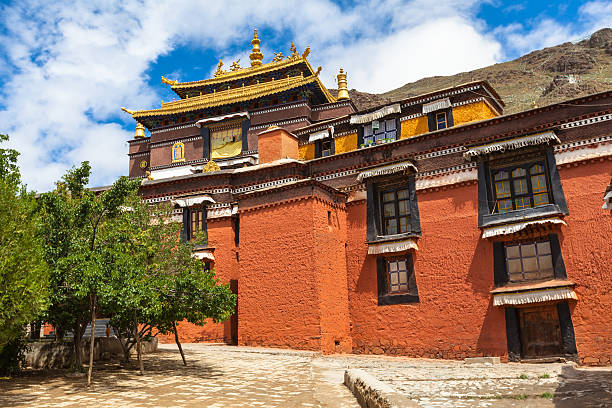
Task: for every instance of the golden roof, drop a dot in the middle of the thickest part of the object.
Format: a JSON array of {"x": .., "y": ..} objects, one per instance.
[{"x": 234, "y": 95}]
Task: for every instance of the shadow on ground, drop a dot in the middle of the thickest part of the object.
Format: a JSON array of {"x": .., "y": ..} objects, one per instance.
[{"x": 584, "y": 388}]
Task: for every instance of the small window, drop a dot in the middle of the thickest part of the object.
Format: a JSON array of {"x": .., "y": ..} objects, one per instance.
[
  {"x": 326, "y": 149},
  {"x": 395, "y": 210},
  {"x": 379, "y": 131},
  {"x": 396, "y": 280},
  {"x": 529, "y": 261},
  {"x": 197, "y": 221},
  {"x": 520, "y": 187},
  {"x": 441, "y": 122}
]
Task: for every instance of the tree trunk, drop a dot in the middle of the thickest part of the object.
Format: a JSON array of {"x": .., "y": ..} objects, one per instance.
[
  {"x": 138, "y": 349},
  {"x": 76, "y": 343},
  {"x": 92, "y": 338},
  {"x": 124, "y": 345},
  {"x": 178, "y": 343}
]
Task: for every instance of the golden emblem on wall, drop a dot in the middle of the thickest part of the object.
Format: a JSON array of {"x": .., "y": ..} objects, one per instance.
[
  {"x": 178, "y": 152},
  {"x": 211, "y": 166},
  {"x": 143, "y": 164}
]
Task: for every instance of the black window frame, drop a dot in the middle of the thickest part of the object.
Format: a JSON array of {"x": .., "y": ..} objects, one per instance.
[
  {"x": 394, "y": 189},
  {"x": 487, "y": 216},
  {"x": 438, "y": 121},
  {"x": 361, "y": 136},
  {"x": 319, "y": 147},
  {"x": 500, "y": 269},
  {"x": 375, "y": 231},
  {"x": 206, "y": 142},
  {"x": 527, "y": 166},
  {"x": 186, "y": 231},
  {"x": 432, "y": 122},
  {"x": 385, "y": 297}
]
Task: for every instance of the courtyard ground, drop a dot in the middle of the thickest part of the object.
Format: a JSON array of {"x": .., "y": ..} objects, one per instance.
[{"x": 226, "y": 376}]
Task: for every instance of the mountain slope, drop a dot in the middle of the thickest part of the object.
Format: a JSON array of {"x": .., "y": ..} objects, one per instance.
[{"x": 544, "y": 76}]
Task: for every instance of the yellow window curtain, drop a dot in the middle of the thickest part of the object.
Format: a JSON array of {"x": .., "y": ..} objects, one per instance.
[{"x": 225, "y": 142}]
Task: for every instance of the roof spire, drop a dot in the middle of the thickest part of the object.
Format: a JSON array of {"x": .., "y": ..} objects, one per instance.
[
  {"x": 342, "y": 86},
  {"x": 256, "y": 55},
  {"x": 140, "y": 131}
]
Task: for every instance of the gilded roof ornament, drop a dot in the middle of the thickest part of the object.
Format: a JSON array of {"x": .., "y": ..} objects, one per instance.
[
  {"x": 210, "y": 167},
  {"x": 306, "y": 52},
  {"x": 256, "y": 56},
  {"x": 294, "y": 53},
  {"x": 235, "y": 65},
  {"x": 168, "y": 81},
  {"x": 219, "y": 70},
  {"x": 278, "y": 56},
  {"x": 126, "y": 110}
]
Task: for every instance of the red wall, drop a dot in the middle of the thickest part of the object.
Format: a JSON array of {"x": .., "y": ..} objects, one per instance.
[
  {"x": 454, "y": 317},
  {"x": 586, "y": 245}
]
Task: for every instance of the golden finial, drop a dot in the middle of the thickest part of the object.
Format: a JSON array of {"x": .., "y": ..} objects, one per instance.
[
  {"x": 294, "y": 53},
  {"x": 211, "y": 166},
  {"x": 277, "y": 56},
  {"x": 168, "y": 81},
  {"x": 342, "y": 86},
  {"x": 256, "y": 55},
  {"x": 318, "y": 71},
  {"x": 140, "y": 131},
  {"x": 126, "y": 110},
  {"x": 306, "y": 52},
  {"x": 219, "y": 71},
  {"x": 235, "y": 65}
]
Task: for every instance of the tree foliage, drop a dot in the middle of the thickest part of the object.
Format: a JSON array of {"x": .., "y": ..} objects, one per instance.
[{"x": 23, "y": 270}]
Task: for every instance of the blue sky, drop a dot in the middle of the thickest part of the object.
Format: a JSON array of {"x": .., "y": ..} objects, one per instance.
[{"x": 66, "y": 67}]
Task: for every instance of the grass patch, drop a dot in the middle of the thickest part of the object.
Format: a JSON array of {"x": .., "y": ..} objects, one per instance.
[
  {"x": 518, "y": 396},
  {"x": 545, "y": 375},
  {"x": 547, "y": 395},
  {"x": 523, "y": 376}
]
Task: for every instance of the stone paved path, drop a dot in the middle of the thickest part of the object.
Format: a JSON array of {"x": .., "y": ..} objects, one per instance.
[
  {"x": 226, "y": 376},
  {"x": 216, "y": 376}
]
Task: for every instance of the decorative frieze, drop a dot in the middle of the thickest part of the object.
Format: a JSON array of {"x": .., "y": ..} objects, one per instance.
[{"x": 154, "y": 132}]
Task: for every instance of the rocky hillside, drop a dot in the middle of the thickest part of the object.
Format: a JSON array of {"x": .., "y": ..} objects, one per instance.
[{"x": 545, "y": 76}]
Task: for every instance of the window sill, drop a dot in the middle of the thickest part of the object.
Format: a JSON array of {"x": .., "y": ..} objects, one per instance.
[
  {"x": 512, "y": 287},
  {"x": 490, "y": 220},
  {"x": 386, "y": 300},
  {"x": 390, "y": 238}
]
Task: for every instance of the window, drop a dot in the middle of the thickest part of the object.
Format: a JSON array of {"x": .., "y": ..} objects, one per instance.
[
  {"x": 326, "y": 149},
  {"x": 519, "y": 187},
  {"x": 396, "y": 280},
  {"x": 441, "y": 122},
  {"x": 197, "y": 222},
  {"x": 395, "y": 210},
  {"x": 536, "y": 259},
  {"x": 529, "y": 261},
  {"x": 392, "y": 209},
  {"x": 194, "y": 224},
  {"x": 379, "y": 131}
]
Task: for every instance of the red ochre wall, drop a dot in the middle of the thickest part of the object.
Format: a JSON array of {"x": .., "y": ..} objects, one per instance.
[
  {"x": 454, "y": 317},
  {"x": 288, "y": 295},
  {"x": 220, "y": 237},
  {"x": 586, "y": 245}
]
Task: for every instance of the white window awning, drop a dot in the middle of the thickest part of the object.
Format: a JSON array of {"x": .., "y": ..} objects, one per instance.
[
  {"x": 512, "y": 144},
  {"x": 607, "y": 205},
  {"x": 203, "y": 255},
  {"x": 391, "y": 247},
  {"x": 377, "y": 114},
  {"x": 436, "y": 105},
  {"x": 535, "y": 296},
  {"x": 512, "y": 228},
  {"x": 201, "y": 122},
  {"x": 384, "y": 170},
  {"x": 329, "y": 132},
  {"x": 191, "y": 201}
]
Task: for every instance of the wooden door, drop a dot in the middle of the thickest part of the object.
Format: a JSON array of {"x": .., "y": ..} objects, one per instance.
[
  {"x": 540, "y": 332},
  {"x": 234, "y": 318}
]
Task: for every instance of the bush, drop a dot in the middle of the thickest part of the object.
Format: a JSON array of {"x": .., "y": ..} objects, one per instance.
[{"x": 12, "y": 356}]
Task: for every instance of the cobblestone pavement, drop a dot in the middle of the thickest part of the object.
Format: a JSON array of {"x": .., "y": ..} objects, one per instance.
[
  {"x": 226, "y": 376},
  {"x": 443, "y": 383}
]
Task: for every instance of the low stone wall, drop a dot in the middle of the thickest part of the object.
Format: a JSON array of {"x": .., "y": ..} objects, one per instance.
[
  {"x": 371, "y": 393},
  {"x": 50, "y": 354}
]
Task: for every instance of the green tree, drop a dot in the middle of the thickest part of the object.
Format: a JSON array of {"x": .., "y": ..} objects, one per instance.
[
  {"x": 23, "y": 271},
  {"x": 80, "y": 249}
]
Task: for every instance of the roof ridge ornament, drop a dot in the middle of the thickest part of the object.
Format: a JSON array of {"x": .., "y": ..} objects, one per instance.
[
  {"x": 219, "y": 70},
  {"x": 256, "y": 56},
  {"x": 168, "y": 81}
]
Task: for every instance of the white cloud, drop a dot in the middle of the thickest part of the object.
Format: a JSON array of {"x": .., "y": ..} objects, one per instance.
[{"x": 69, "y": 66}]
